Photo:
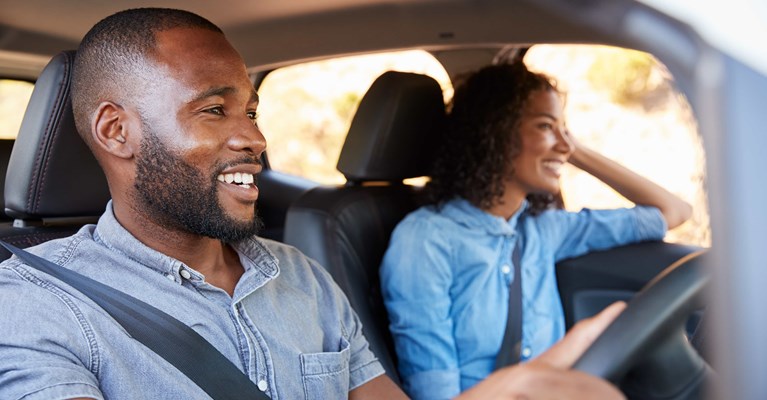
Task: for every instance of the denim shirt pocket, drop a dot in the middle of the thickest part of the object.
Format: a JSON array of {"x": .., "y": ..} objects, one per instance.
[{"x": 326, "y": 375}]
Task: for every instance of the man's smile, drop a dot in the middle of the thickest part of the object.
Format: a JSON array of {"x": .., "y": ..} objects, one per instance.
[{"x": 242, "y": 179}]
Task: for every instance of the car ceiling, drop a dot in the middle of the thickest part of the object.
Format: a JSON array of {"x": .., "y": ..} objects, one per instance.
[{"x": 273, "y": 32}]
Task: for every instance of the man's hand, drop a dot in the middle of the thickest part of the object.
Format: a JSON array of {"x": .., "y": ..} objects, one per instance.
[{"x": 548, "y": 376}]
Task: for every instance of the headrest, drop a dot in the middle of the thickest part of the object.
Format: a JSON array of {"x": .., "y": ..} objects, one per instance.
[
  {"x": 394, "y": 132},
  {"x": 52, "y": 173}
]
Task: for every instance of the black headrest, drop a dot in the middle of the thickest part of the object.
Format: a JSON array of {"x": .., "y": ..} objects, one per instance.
[
  {"x": 52, "y": 173},
  {"x": 395, "y": 129}
]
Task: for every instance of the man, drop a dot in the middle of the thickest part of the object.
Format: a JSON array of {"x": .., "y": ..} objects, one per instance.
[{"x": 165, "y": 104}]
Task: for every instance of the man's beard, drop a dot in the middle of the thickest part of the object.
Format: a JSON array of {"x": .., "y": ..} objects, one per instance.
[{"x": 176, "y": 194}]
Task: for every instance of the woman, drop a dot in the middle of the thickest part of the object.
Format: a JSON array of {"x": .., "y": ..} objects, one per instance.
[{"x": 495, "y": 187}]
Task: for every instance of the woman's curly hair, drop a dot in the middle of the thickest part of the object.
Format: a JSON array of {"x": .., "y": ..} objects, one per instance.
[{"x": 483, "y": 138}]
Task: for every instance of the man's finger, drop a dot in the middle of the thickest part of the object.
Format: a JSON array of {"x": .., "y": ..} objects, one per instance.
[{"x": 565, "y": 352}]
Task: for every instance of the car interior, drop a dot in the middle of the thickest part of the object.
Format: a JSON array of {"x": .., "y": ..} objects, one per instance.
[
  {"x": 347, "y": 228},
  {"x": 57, "y": 186},
  {"x": 6, "y": 145},
  {"x": 53, "y": 184}
]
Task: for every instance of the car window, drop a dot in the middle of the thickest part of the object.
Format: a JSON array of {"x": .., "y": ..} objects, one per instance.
[
  {"x": 620, "y": 102},
  {"x": 624, "y": 104},
  {"x": 14, "y": 97},
  {"x": 306, "y": 109}
]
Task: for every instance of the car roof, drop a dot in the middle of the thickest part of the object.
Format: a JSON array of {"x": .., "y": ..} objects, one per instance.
[
  {"x": 736, "y": 27},
  {"x": 274, "y": 32}
]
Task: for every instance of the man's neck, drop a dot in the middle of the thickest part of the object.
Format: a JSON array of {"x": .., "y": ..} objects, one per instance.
[{"x": 217, "y": 261}]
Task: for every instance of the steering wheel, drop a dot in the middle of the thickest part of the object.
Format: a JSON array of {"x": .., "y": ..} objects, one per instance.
[{"x": 645, "y": 350}]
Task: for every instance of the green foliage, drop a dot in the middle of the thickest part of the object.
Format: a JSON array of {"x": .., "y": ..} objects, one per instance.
[
  {"x": 346, "y": 105},
  {"x": 628, "y": 76}
]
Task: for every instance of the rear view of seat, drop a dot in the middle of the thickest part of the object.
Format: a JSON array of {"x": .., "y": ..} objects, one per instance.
[
  {"x": 347, "y": 228},
  {"x": 54, "y": 184},
  {"x": 6, "y": 145}
]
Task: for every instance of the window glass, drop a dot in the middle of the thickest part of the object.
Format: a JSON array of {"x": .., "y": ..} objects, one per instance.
[
  {"x": 623, "y": 103},
  {"x": 305, "y": 110},
  {"x": 14, "y": 97}
]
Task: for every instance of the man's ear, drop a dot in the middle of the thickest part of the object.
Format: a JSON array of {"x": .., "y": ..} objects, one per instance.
[{"x": 112, "y": 130}]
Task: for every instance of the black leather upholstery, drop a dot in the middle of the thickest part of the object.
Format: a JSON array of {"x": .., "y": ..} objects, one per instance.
[
  {"x": 391, "y": 133},
  {"x": 51, "y": 171},
  {"x": 347, "y": 228},
  {"x": 6, "y": 145},
  {"x": 53, "y": 184}
]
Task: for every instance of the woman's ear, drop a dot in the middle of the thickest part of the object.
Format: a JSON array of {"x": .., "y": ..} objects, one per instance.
[{"x": 111, "y": 130}]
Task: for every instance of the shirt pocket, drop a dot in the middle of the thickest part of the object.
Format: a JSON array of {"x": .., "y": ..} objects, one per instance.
[{"x": 326, "y": 375}]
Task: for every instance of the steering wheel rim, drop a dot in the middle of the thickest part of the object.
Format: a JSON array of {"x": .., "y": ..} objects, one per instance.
[{"x": 649, "y": 334}]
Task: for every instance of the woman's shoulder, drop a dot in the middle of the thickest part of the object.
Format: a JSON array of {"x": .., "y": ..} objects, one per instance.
[{"x": 425, "y": 223}]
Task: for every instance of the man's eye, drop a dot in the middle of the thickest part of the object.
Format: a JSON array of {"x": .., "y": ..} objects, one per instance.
[
  {"x": 216, "y": 110},
  {"x": 546, "y": 126},
  {"x": 253, "y": 116}
]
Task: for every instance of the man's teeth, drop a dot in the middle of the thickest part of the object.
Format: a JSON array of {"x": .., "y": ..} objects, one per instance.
[{"x": 241, "y": 178}]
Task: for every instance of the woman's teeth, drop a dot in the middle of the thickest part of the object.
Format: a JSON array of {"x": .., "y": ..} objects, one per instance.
[{"x": 554, "y": 166}]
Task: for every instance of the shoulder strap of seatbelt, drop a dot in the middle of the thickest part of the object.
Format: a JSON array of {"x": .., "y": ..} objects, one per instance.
[
  {"x": 512, "y": 339},
  {"x": 177, "y": 343}
]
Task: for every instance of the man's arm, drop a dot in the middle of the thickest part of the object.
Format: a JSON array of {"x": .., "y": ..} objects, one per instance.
[{"x": 381, "y": 387}]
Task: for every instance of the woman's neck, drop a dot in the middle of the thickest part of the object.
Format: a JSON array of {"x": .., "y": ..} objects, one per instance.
[{"x": 508, "y": 204}]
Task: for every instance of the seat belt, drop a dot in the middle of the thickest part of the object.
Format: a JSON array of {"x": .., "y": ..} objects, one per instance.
[
  {"x": 170, "y": 338},
  {"x": 512, "y": 338}
]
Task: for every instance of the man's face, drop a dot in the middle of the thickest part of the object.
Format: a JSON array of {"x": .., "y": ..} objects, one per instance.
[
  {"x": 177, "y": 194},
  {"x": 200, "y": 147}
]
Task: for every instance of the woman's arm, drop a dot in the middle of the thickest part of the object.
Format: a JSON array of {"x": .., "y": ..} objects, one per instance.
[{"x": 631, "y": 185}]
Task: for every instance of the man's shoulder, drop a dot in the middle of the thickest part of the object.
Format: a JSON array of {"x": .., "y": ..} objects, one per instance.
[{"x": 54, "y": 250}]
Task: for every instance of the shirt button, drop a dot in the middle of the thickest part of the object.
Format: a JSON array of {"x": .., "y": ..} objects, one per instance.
[
  {"x": 185, "y": 274},
  {"x": 506, "y": 269},
  {"x": 526, "y": 352},
  {"x": 262, "y": 385}
]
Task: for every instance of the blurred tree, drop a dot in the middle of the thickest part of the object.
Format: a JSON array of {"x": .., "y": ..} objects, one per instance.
[{"x": 630, "y": 77}]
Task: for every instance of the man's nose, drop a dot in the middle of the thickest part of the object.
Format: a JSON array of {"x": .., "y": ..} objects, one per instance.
[{"x": 247, "y": 137}]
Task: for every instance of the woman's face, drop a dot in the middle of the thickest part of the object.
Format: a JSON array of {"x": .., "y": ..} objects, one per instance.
[{"x": 545, "y": 144}]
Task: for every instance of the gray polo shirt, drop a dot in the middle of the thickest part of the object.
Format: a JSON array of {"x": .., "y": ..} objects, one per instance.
[{"x": 288, "y": 326}]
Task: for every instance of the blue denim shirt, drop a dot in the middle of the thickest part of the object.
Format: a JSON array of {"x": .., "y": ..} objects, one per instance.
[
  {"x": 446, "y": 277},
  {"x": 288, "y": 326}
]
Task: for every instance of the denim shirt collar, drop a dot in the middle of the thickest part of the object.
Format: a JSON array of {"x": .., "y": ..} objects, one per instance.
[
  {"x": 256, "y": 259},
  {"x": 463, "y": 212}
]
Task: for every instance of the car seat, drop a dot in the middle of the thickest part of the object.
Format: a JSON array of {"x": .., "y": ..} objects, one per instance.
[
  {"x": 346, "y": 229},
  {"x": 6, "y": 145},
  {"x": 53, "y": 184}
]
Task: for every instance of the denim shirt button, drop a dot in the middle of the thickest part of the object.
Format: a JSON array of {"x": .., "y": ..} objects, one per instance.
[
  {"x": 185, "y": 274},
  {"x": 506, "y": 269},
  {"x": 262, "y": 385},
  {"x": 526, "y": 352}
]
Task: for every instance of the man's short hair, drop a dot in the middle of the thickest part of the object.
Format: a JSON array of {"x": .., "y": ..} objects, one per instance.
[{"x": 113, "y": 54}]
